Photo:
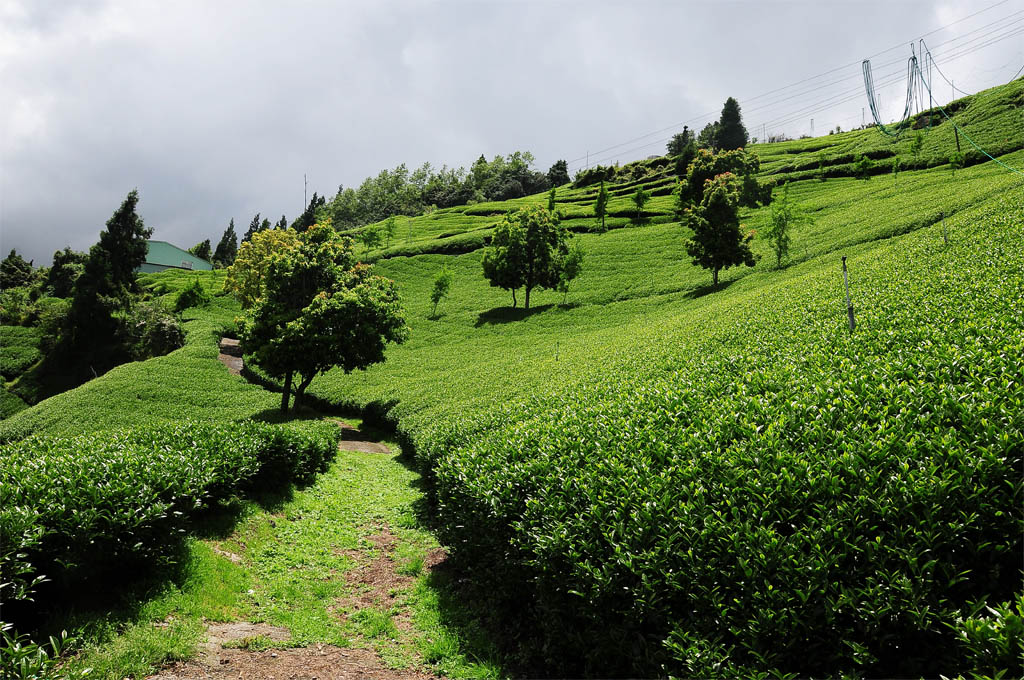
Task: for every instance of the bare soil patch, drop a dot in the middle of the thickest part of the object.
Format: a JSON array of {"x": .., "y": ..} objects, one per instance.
[
  {"x": 375, "y": 583},
  {"x": 319, "y": 662}
]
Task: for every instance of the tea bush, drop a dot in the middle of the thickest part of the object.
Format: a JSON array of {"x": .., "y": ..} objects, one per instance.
[{"x": 80, "y": 507}]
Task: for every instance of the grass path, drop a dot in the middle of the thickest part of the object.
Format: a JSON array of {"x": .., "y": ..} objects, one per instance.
[{"x": 339, "y": 578}]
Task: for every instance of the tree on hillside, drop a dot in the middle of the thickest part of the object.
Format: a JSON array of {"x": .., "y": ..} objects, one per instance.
[
  {"x": 558, "y": 173},
  {"x": 551, "y": 200},
  {"x": 67, "y": 266},
  {"x": 227, "y": 249},
  {"x": 640, "y": 198},
  {"x": 308, "y": 217},
  {"x": 202, "y": 250},
  {"x": 717, "y": 242},
  {"x": 570, "y": 268},
  {"x": 371, "y": 236},
  {"x": 390, "y": 227},
  {"x": 785, "y": 214},
  {"x": 528, "y": 249},
  {"x": 862, "y": 166},
  {"x": 104, "y": 290},
  {"x": 601, "y": 204},
  {"x": 246, "y": 277},
  {"x": 708, "y": 164},
  {"x": 15, "y": 271},
  {"x": 255, "y": 226},
  {"x": 680, "y": 141},
  {"x": 956, "y": 162},
  {"x": 282, "y": 223},
  {"x": 731, "y": 134},
  {"x": 708, "y": 137},
  {"x": 442, "y": 284},
  {"x": 321, "y": 310}
]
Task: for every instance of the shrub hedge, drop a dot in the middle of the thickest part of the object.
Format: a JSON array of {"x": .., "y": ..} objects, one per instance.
[
  {"x": 89, "y": 506},
  {"x": 783, "y": 497}
]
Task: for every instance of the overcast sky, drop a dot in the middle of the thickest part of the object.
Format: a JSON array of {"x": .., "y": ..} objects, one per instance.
[{"x": 216, "y": 109}]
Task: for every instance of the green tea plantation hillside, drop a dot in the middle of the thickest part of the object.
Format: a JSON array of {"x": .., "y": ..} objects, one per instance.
[
  {"x": 647, "y": 475},
  {"x": 720, "y": 482}
]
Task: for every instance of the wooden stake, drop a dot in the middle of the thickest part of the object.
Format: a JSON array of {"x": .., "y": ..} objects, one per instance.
[
  {"x": 945, "y": 234},
  {"x": 849, "y": 305}
]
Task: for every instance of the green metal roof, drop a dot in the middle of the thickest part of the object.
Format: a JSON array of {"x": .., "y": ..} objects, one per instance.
[{"x": 163, "y": 255}]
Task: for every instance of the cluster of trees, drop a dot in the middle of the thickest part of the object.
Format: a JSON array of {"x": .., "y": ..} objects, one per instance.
[
  {"x": 401, "y": 192},
  {"x": 725, "y": 134},
  {"x": 89, "y": 306},
  {"x": 310, "y": 307}
]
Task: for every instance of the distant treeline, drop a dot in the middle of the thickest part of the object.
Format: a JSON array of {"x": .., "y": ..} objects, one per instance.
[{"x": 401, "y": 192}]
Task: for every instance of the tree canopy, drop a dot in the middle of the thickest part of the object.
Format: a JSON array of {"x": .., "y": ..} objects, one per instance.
[
  {"x": 680, "y": 141},
  {"x": 227, "y": 249},
  {"x": 320, "y": 310},
  {"x": 202, "y": 250},
  {"x": 15, "y": 271},
  {"x": 717, "y": 242},
  {"x": 108, "y": 279},
  {"x": 246, "y": 277},
  {"x": 731, "y": 134},
  {"x": 528, "y": 250}
]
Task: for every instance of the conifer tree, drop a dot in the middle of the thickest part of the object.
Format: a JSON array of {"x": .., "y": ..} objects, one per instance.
[
  {"x": 601, "y": 205},
  {"x": 227, "y": 249},
  {"x": 731, "y": 134},
  {"x": 202, "y": 250}
]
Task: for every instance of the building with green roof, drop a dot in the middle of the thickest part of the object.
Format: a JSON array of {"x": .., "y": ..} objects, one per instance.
[{"x": 162, "y": 255}]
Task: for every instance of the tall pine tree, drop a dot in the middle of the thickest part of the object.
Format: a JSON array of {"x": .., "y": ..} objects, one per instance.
[
  {"x": 731, "y": 134},
  {"x": 227, "y": 249}
]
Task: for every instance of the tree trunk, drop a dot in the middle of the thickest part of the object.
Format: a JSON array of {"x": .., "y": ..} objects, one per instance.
[
  {"x": 527, "y": 305},
  {"x": 301, "y": 389},
  {"x": 286, "y": 391},
  {"x": 714, "y": 279},
  {"x": 513, "y": 298}
]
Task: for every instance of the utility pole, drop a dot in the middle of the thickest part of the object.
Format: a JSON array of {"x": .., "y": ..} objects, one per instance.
[
  {"x": 812, "y": 127},
  {"x": 862, "y": 116}
]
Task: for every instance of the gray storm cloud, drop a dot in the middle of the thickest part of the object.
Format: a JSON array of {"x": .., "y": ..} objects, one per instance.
[{"x": 216, "y": 110}]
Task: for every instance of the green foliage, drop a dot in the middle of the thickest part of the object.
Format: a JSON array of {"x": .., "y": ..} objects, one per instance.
[
  {"x": 897, "y": 165},
  {"x": 390, "y": 227},
  {"x": 193, "y": 296},
  {"x": 255, "y": 227},
  {"x": 309, "y": 216},
  {"x": 151, "y": 330},
  {"x": 640, "y": 198},
  {"x": 558, "y": 173},
  {"x": 22, "y": 659},
  {"x": 67, "y": 266},
  {"x": 15, "y": 272},
  {"x": 227, "y": 247},
  {"x": 679, "y": 141},
  {"x": 442, "y": 284},
  {"x": 917, "y": 145},
  {"x": 95, "y": 332},
  {"x": 717, "y": 242},
  {"x": 570, "y": 268},
  {"x": 528, "y": 250},
  {"x": 83, "y": 506},
  {"x": 203, "y": 250},
  {"x": 10, "y": 403},
  {"x": 371, "y": 237},
  {"x": 956, "y": 162},
  {"x": 707, "y": 165},
  {"x": 730, "y": 133},
  {"x": 862, "y": 167},
  {"x": 551, "y": 200},
  {"x": 319, "y": 311},
  {"x": 708, "y": 137},
  {"x": 785, "y": 215},
  {"x": 994, "y": 640},
  {"x": 19, "y": 349},
  {"x": 601, "y": 205}
]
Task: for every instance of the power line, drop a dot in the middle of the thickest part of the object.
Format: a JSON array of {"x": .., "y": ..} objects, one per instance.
[{"x": 770, "y": 92}]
